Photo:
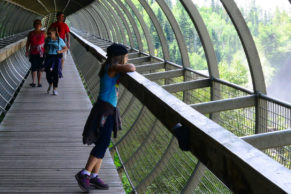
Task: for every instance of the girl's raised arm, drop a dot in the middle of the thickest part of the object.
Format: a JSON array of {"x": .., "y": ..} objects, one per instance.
[{"x": 124, "y": 68}]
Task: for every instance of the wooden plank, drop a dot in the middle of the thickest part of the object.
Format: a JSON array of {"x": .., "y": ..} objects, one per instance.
[
  {"x": 187, "y": 85},
  {"x": 225, "y": 104},
  {"x": 41, "y": 140}
]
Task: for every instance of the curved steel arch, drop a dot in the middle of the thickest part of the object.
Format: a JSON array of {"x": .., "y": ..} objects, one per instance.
[
  {"x": 163, "y": 40},
  {"x": 107, "y": 32},
  {"x": 143, "y": 26},
  {"x": 96, "y": 24},
  {"x": 6, "y": 28},
  {"x": 111, "y": 20},
  {"x": 88, "y": 25},
  {"x": 129, "y": 32},
  {"x": 109, "y": 25},
  {"x": 103, "y": 30},
  {"x": 80, "y": 20},
  {"x": 133, "y": 24},
  {"x": 248, "y": 45},
  {"x": 204, "y": 37},
  {"x": 177, "y": 31},
  {"x": 117, "y": 21}
]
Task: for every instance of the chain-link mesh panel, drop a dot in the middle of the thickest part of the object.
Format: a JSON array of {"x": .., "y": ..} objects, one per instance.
[
  {"x": 14, "y": 19},
  {"x": 275, "y": 116},
  {"x": 13, "y": 71}
]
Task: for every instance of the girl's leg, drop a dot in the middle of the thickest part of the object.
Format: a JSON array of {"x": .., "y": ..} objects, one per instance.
[
  {"x": 55, "y": 81},
  {"x": 91, "y": 163},
  {"x": 95, "y": 159},
  {"x": 49, "y": 80},
  {"x": 97, "y": 166}
]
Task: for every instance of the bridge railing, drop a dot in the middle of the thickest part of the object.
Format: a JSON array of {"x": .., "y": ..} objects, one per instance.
[
  {"x": 219, "y": 161},
  {"x": 14, "y": 67}
]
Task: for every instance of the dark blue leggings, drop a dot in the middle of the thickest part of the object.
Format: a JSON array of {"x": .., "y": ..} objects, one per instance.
[{"x": 104, "y": 140}]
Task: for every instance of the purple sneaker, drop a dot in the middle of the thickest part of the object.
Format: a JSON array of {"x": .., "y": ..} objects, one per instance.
[
  {"x": 98, "y": 183},
  {"x": 83, "y": 181}
]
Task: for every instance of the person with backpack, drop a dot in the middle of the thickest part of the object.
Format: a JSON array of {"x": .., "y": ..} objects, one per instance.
[
  {"x": 104, "y": 116},
  {"x": 54, "y": 48}
]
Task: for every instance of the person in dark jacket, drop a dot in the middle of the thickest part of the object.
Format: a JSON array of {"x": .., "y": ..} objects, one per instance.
[{"x": 104, "y": 116}]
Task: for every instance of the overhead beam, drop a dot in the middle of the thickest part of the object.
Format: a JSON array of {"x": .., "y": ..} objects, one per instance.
[
  {"x": 187, "y": 85},
  {"x": 164, "y": 75},
  {"x": 23, "y": 7},
  {"x": 224, "y": 105},
  {"x": 267, "y": 140}
]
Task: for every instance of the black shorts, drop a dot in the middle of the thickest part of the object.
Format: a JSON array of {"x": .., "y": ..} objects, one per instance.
[{"x": 36, "y": 62}]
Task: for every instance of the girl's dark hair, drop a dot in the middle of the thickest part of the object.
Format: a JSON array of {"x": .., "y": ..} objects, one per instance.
[
  {"x": 36, "y": 21},
  {"x": 52, "y": 28},
  {"x": 115, "y": 54}
]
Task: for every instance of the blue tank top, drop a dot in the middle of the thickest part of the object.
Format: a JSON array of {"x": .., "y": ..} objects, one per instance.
[{"x": 109, "y": 88}]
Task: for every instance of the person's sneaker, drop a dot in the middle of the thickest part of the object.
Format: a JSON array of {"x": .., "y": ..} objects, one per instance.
[
  {"x": 39, "y": 85},
  {"x": 98, "y": 183},
  {"x": 83, "y": 181},
  {"x": 32, "y": 85},
  {"x": 55, "y": 92}
]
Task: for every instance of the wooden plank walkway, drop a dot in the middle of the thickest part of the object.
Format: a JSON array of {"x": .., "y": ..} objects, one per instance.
[{"x": 40, "y": 140}]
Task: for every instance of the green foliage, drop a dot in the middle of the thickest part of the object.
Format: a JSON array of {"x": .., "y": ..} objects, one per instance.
[
  {"x": 235, "y": 72},
  {"x": 271, "y": 33}
]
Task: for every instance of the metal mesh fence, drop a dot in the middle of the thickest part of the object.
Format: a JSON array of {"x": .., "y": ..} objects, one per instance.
[
  {"x": 14, "y": 19},
  {"x": 275, "y": 116},
  {"x": 12, "y": 73}
]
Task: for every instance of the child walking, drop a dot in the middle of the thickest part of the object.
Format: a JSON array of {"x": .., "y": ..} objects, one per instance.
[
  {"x": 54, "y": 47},
  {"x": 104, "y": 116}
]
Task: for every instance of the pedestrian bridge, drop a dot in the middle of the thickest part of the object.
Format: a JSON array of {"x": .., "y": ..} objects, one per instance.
[{"x": 238, "y": 139}]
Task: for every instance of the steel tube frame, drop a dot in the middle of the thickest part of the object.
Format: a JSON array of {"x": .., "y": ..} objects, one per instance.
[
  {"x": 129, "y": 33},
  {"x": 110, "y": 21},
  {"x": 132, "y": 22},
  {"x": 157, "y": 25},
  {"x": 248, "y": 45},
  {"x": 117, "y": 20},
  {"x": 143, "y": 26},
  {"x": 177, "y": 31}
]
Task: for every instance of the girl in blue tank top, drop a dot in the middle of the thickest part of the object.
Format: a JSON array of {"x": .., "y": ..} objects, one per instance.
[
  {"x": 103, "y": 116},
  {"x": 109, "y": 87}
]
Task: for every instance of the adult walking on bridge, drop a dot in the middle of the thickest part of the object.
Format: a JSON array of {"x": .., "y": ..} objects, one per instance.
[
  {"x": 35, "y": 51},
  {"x": 64, "y": 32},
  {"x": 104, "y": 116}
]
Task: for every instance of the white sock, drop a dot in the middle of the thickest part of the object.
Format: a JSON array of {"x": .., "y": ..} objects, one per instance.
[
  {"x": 86, "y": 172},
  {"x": 93, "y": 175}
]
